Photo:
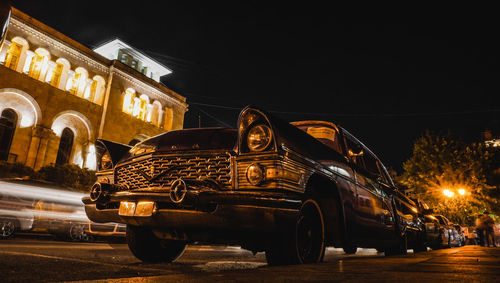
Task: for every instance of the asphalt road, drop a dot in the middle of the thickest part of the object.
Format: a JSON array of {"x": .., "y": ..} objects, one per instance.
[{"x": 25, "y": 259}]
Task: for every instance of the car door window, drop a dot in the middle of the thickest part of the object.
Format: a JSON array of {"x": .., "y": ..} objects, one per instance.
[{"x": 354, "y": 151}]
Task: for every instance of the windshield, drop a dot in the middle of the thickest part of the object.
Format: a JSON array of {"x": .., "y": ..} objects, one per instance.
[{"x": 325, "y": 132}]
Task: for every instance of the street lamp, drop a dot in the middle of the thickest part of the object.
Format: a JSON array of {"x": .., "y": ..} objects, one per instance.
[
  {"x": 461, "y": 191},
  {"x": 448, "y": 193}
]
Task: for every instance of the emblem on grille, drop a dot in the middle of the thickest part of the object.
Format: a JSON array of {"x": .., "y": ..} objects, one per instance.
[{"x": 178, "y": 191}]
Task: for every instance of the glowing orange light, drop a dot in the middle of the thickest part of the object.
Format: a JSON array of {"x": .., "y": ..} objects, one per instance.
[
  {"x": 461, "y": 191},
  {"x": 448, "y": 193}
]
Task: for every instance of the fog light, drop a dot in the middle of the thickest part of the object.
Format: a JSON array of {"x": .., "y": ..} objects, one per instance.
[
  {"x": 255, "y": 174},
  {"x": 144, "y": 208},
  {"x": 127, "y": 208}
]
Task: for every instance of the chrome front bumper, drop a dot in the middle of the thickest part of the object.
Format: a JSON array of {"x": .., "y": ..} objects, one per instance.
[{"x": 234, "y": 211}]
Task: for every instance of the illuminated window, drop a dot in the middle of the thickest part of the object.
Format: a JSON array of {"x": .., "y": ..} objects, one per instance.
[
  {"x": 128, "y": 101},
  {"x": 124, "y": 58},
  {"x": 137, "y": 107},
  {"x": 79, "y": 82},
  {"x": 8, "y": 122},
  {"x": 97, "y": 89},
  {"x": 36, "y": 66},
  {"x": 65, "y": 146},
  {"x": 155, "y": 113},
  {"x": 143, "y": 107},
  {"x": 13, "y": 55},
  {"x": 61, "y": 74},
  {"x": 55, "y": 79},
  {"x": 38, "y": 63},
  {"x": 93, "y": 89},
  {"x": 75, "y": 83}
]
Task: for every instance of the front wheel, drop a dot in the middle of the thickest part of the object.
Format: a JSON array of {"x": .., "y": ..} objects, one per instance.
[
  {"x": 304, "y": 244},
  {"x": 149, "y": 248},
  {"x": 78, "y": 233},
  {"x": 7, "y": 228},
  {"x": 310, "y": 231}
]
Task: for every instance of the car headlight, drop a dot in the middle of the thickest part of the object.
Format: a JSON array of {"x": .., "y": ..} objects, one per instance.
[
  {"x": 106, "y": 162},
  {"x": 255, "y": 174},
  {"x": 259, "y": 137}
]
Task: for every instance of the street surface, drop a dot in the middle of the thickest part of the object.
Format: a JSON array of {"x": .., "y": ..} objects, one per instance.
[{"x": 36, "y": 259}]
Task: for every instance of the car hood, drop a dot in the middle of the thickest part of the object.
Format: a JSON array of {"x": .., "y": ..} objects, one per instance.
[{"x": 188, "y": 139}]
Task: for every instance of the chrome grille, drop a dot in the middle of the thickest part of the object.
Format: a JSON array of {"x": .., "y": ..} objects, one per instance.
[{"x": 188, "y": 167}]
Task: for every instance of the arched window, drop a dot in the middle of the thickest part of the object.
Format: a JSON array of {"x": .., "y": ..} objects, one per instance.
[
  {"x": 39, "y": 63},
  {"x": 155, "y": 113},
  {"x": 65, "y": 146},
  {"x": 96, "y": 89},
  {"x": 13, "y": 55},
  {"x": 55, "y": 78},
  {"x": 128, "y": 101},
  {"x": 8, "y": 122},
  {"x": 79, "y": 81},
  {"x": 143, "y": 107},
  {"x": 60, "y": 73}
]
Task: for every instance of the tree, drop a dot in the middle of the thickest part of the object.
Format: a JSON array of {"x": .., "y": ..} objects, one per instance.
[{"x": 450, "y": 176}]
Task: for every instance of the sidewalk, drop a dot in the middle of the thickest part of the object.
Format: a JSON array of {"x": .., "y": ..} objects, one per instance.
[{"x": 464, "y": 264}]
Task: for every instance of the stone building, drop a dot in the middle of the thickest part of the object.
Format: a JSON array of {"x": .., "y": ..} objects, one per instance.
[{"x": 58, "y": 96}]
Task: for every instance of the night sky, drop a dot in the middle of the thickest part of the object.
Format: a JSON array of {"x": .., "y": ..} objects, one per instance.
[{"x": 385, "y": 83}]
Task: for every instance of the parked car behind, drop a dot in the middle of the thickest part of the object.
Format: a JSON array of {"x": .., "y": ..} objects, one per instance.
[
  {"x": 462, "y": 240},
  {"x": 42, "y": 207},
  {"x": 16, "y": 214},
  {"x": 449, "y": 228},
  {"x": 412, "y": 221}
]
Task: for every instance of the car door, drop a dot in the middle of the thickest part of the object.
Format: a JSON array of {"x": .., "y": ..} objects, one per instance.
[{"x": 372, "y": 206}]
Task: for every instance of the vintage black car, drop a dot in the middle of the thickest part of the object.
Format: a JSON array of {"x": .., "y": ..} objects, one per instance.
[{"x": 289, "y": 189}]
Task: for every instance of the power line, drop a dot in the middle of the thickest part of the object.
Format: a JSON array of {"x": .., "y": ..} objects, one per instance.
[
  {"x": 214, "y": 118},
  {"x": 390, "y": 115}
]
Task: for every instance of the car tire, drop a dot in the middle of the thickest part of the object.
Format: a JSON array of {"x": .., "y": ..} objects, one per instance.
[
  {"x": 310, "y": 233},
  {"x": 305, "y": 244},
  {"x": 7, "y": 228},
  {"x": 77, "y": 232},
  {"x": 149, "y": 248}
]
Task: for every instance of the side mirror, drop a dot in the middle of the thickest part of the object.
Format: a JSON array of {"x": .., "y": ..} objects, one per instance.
[{"x": 4, "y": 19}]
